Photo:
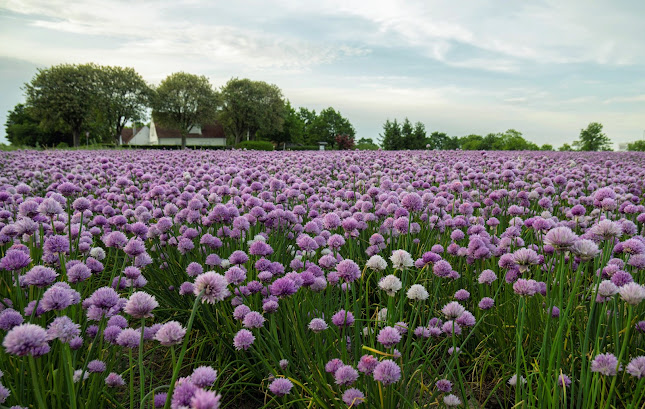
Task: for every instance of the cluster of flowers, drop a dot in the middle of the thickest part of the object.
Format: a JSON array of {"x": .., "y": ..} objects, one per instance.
[{"x": 273, "y": 246}]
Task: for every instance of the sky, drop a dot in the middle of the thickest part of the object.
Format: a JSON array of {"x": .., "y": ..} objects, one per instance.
[{"x": 545, "y": 68}]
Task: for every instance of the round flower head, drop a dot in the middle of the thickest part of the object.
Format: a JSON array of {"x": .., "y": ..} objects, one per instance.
[
  {"x": 487, "y": 277},
  {"x": 348, "y": 270},
  {"x": 96, "y": 366},
  {"x": 390, "y": 284},
  {"x": 376, "y": 263},
  {"x": 64, "y": 329},
  {"x": 280, "y": 386},
  {"x": 387, "y": 372},
  {"x": 129, "y": 338},
  {"x": 367, "y": 363},
  {"x": 40, "y": 276},
  {"x": 453, "y": 310},
  {"x": 140, "y": 305},
  {"x": 524, "y": 287},
  {"x": 605, "y": 364},
  {"x": 401, "y": 260},
  {"x": 345, "y": 375},
  {"x": 343, "y": 318},
  {"x": 204, "y": 376},
  {"x": 317, "y": 325},
  {"x": 170, "y": 333},
  {"x": 513, "y": 380},
  {"x": 253, "y": 320},
  {"x": 451, "y": 400},
  {"x": 113, "y": 380},
  {"x": 10, "y": 318},
  {"x": 462, "y": 295},
  {"x": 353, "y": 397},
  {"x": 212, "y": 287},
  {"x": 486, "y": 303},
  {"x": 243, "y": 339},
  {"x": 632, "y": 293},
  {"x": 564, "y": 381},
  {"x": 444, "y": 385},
  {"x": 389, "y": 337},
  {"x": 636, "y": 367},
  {"x": 14, "y": 260},
  {"x": 585, "y": 249},
  {"x": 26, "y": 339},
  {"x": 560, "y": 238},
  {"x": 417, "y": 292},
  {"x": 203, "y": 399}
]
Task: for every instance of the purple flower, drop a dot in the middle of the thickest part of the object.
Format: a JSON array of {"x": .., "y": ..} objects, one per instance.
[
  {"x": 40, "y": 276},
  {"x": 367, "y": 363},
  {"x": 14, "y": 260},
  {"x": 353, "y": 397},
  {"x": 333, "y": 365},
  {"x": 235, "y": 275},
  {"x": 387, "y": 372},
  {"x": 636, "y": 367},
  {"x": 243, "y": 339},
  {"x": 26, "y": 339},
  {"x": 462, "y": 295},
  {"x": 283, "y": 287},
  {"x": 238, "y": 257},
  {"x": 280, "y": 386},
  {"x": 64, "y": 329},
  {"x": 487, "y": 277},
  {"x": 564, "y": 381},
  {"x": 389, "y": 337},
  {"x": 140, "y": 305},
  {"x": 203, "y": 399},
  {"x": 253, "y": 319},
  {"x": 183, "y": 393},
  {"x": 317, "y": 325},
  {"x": 10, "y": 318},
  {"x": 96, "y": 366},
  {"x": 113, "y": 380},
  {"x": 444, "y": 385},
  {"x": 345, "y": 375},
  {"x": 605, "y": 364},
  {"x": 560, "y": 238},
  {"x": 524, "y": 287},
  {"x": 212, "y": 287},
  {"x": 486, "y": 303},
  {"x": 129, "y": 338},
  {"x": 204, "y": 376},
  {"x": 343, "y": 318},
  {"x": 170, "y": 333},
  {"x": 348, "y": 270}
]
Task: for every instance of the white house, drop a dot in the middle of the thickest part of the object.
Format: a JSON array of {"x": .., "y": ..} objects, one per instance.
[{"x": 206, "y": 135}]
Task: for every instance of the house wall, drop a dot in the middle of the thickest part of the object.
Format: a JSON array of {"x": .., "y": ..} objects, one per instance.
[
  {"x": 142, "y": 137},
  {"x": 194, "y": 141}
]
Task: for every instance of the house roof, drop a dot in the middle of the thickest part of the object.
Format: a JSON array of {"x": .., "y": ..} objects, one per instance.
[
  {"x": 215, "y": 130},
  {"x": 126, "y": 135}
]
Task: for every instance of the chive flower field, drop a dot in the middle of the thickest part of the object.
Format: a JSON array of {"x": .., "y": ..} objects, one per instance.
[{"x": 346, "y": 279}]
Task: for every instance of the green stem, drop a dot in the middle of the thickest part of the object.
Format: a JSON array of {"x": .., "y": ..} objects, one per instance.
[
  {"x": 34, "y": 379},
  {"x": 142, "y": 375}
]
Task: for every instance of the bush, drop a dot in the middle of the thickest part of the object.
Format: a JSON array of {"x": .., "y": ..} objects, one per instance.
[
  {"x": 366, "y": 147},
  {"x": 255, "y": 145},
  {"x": 305, "y": 148}
]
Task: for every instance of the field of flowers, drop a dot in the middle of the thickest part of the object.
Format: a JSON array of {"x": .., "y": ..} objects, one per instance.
[{"x": 206, "y": 279}]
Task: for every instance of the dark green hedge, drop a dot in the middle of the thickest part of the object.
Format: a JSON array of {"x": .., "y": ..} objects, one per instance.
[{"x": 255, "y": 145}]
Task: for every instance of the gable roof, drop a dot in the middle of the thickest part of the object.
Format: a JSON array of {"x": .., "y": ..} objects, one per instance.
[
  {"x": 126, "y": 135},
  {"x": 214, "y": 130}
]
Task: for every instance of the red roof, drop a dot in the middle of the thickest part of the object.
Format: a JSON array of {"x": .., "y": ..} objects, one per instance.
[
  {"x": 126, "y": 135},
  {"x": 215, "y": 130}
]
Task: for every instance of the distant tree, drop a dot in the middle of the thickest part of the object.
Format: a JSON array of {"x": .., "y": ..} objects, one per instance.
[
  {"x": 366, "y": 144},
  {"x": 249, "y": 107},
  {"x": 546, "y": 147},
  {"x": 452, "y": 143},
  {"x": 490, "y": 142},
  {"x": 565, "y": 148},
  {"x": 123, "y": 96},
  {"x": 326, "y": 125},
  {"x": 64, "y": 94},
  {"x": 293, "y": 128},
  {"x": 391, "y": 138},
  {"x": 23, "y": 129},
  {"x": 471, "y": 142},
  {"x": 183, "y": 101},
  {"x": 593, "y": 139},
  {"x": 636, "y": 146},
  {"x": 344, "y": 142},
  {"x": 437, "y": 140},
  {"x": 413, "y": 137}
]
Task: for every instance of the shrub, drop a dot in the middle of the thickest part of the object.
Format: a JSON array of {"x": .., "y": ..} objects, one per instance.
[{"x": 255, "y": 145}]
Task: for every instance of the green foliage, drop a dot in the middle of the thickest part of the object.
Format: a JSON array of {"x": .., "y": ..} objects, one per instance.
[
  {"x": 366, "y": 145},
  {"x": 64, "y": 94},
  {"x": 593, "y": 139},
  {"x": 25, "y": 130},
  {"x": 403, "y": 136},
  {"x": 471, "y": 142},
  {"x": 391, "y": 138},
  {"x": 565, "y": 148},
  {"x": 304, "y": 148},
  {"x": 252, "y": 107},
  {"x": 123, "y": 96},
  {"x": 255, "y": 145},
  {"x": 638, "y": 146},
  {"x": 293, "y": 128},
  {"x": 325, "y": 126},
  {"x": 183, "y": 101},
  {"x": 546, "y": 147}
]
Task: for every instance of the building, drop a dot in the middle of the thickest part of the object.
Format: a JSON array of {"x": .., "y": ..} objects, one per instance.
[{"x": 207, "y": 135}]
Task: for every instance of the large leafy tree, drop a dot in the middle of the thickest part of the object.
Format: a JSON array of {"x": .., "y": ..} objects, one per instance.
[
  {"x": 391, "y": 138},
  {"x": 293, "y": 128},
  {"x": 64, "y": 94},
  {"x": 249, "y": 107},
  {"x": 123, "y": 97},
  {"x": 327, "y": 125},
  {"x": 23, "y": 129},
  {"x": 183, "y": 101},
  {"x": 438, "y": 140},
  {"x": 593, "y": 139},
  {"x": 636, "y": 146}
]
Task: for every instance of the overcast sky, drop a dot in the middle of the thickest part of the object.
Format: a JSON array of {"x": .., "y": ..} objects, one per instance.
[{"x": 545, "y": 68}]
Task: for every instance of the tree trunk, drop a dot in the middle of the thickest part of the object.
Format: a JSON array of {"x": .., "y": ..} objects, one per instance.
[
  {"x": 76, "y": 136},
  {"x": 183, "y": 141}
]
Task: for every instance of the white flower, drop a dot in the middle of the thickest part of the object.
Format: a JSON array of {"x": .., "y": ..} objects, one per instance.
[
  {"x": 451, "y": 400},
  {"x": 325, "y": 251},
  {"x": 77, "y": 375},
  {"x": 607, "y": 289},
  {"x": 513, "y": 380},
  {"x": 633, "y": 293},
  {"x": 418, "y": 292},
  {"x": 382, "y": 314},
  {"x": 453, "y": 310},
  {"x": 376, "y": 262},
  {"x": 390, "y": 284},
  {"x": 98, "y": 253},
  {"x": 225, "y": 263},
  {"x": 187, "y": 176},
  {"x": 401, "y": 259}
]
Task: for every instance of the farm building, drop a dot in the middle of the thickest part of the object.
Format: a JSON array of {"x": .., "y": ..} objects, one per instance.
[{"x": 206, "y": 135}]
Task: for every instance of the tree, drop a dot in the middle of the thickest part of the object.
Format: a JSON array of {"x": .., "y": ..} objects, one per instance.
[
  {"x": 293, "y": 128},
  {"x": 471, "y": 142},
  {"x": 633, "y": 146},
  {"x": 63, "y": 94},
  {"x": 183, "y": 101},
  {"x": 438, "y": 140},
  {"x": 23, "y": 129},
  {"x": 413, "y": 137},
  {"x": 249, "y": 107},
  {"x": 546, "y": 147},
  {"x": 391, "y": 138},
  {"x": 344, "y": 142},
  {"x": 327, "y": 125},
  {"x": 565, "y": 148},
  {"x": 123, "y": 97},
  {"x": 593, "y": 139},
  {"x": 366, "y": 144}
]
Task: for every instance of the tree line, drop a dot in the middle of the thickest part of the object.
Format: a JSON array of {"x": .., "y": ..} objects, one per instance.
[
  {"x": 403, "y": 135},
  {"x": 66, "y": 102}
]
